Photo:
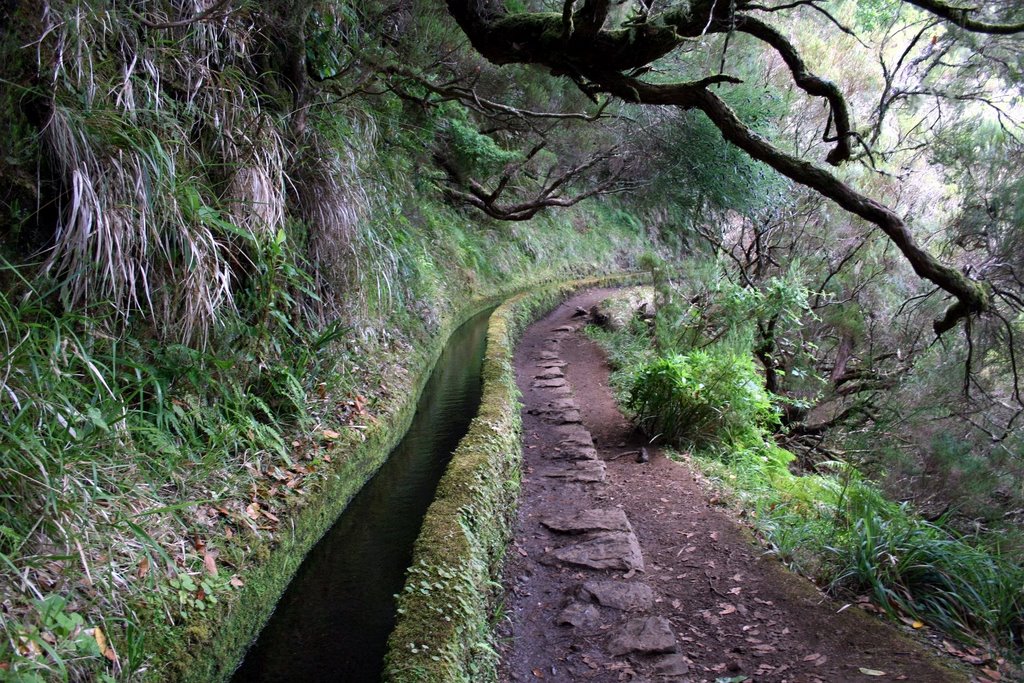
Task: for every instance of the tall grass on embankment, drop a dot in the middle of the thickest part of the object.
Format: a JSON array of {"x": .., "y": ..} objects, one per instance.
[{"x": 835, "y": 525}]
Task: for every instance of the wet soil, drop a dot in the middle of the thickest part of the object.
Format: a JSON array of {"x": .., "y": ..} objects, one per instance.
[{"x": 675, "y": 588}]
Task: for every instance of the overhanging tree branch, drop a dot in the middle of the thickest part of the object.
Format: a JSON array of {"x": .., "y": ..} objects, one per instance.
[
  {"x": 971, "y": 296},
  {"x": 536, "y": 38},
  {"x": 963, "y": 17},
  {"x": 809, "y": 83}
]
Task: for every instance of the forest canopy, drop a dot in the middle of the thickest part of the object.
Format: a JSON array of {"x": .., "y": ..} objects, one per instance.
[{"x": 606, "y": 51}]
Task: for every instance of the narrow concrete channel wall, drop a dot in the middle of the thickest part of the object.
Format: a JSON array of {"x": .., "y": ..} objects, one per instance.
[
  {"x": 445, "y": 612},
  {"x": 211, "y": 651}
]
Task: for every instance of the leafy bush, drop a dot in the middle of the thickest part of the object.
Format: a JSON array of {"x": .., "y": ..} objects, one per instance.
[
  {"x": 702, "y": 399},
  {"x": 475, "y": 152},
  {"x": 833, "y": 525}
]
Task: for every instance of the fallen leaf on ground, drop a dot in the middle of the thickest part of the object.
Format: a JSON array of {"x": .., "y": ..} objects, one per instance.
[
  {"x": 236, "y": 582},
  {"x": 991, "y": 673},
  {"x": 101, "y": 642},
  {"x": 538, "y": 673},
  {"x": 28, "y": 647},
  {"x": 726, "y": 609},
  {"x": 143, "y": 568},
  {"x": 912, "y": 623},
  {"x": 871, "y": 672},
  {"x": 330, "y": 434},
  {"x": 210, "y": 563}
]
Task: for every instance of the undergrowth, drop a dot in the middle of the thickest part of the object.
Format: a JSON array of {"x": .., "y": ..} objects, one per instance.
[{"x": 833, "y": 525}]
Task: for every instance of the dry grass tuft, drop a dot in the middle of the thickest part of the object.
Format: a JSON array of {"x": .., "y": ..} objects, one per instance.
[
  {"x": 144, "y": 227},
  {"x": 334, "y": 198}
]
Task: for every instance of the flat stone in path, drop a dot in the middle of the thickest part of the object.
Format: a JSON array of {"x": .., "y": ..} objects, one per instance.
[
  {"x": 547, "y": 355},
  {"x": 606, "y": 550},
  {"x": 646, "y": 635},
  {"x": 550, "y": 373},
  {"x": 628, "y": 596},
  {"x": 548, "y": 383},
  {"x": 573, "y": 434},
  {"x": 564, "y": 328},
  {"x": 671, "y": 666},
  {"x": 579, "y": 614},
  {"x": 584, "y": 521},
  {"x": 562, "y": 404},
  {"x": 555, "y": 414},
  {"x": 551, "y": 364},
  {"x": 586, "y": 471},
  {"x": 562, "y": 417},
  {"x": 573, "y": 451}
]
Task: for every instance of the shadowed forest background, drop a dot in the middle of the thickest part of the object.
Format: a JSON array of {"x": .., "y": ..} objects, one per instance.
[{"x": 230, "y": 230}]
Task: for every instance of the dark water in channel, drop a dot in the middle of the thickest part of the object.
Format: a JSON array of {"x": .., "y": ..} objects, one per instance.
[{"x": 334, "y": 619}]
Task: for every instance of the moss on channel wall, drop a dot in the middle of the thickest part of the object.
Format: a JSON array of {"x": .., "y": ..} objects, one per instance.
[
  {"x": 213, "y": 653},
  {"x": 444, "y": 621}
]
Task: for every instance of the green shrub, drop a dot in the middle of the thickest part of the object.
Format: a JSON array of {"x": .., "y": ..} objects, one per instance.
[{"x": 702, "y": 399}]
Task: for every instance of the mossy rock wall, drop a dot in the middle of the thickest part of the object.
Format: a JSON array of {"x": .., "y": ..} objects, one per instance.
[{"x": 445, "y": 610}]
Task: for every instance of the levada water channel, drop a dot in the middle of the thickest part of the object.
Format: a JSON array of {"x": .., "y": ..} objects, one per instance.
[{"x": 334, "y": 619}]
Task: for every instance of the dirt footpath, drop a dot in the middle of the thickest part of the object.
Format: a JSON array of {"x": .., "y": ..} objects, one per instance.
[{"x": 625, "y": 571}]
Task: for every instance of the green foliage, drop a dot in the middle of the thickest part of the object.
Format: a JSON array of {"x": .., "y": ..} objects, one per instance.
[
  {"x": 332, "y": 35},
  {"x": 702, "y": 399},
  {"x": 700, "y": 176},
  {"x": 477, "y": 154},
  {"x": 833, "y": 524},
  {"x": 841, "y": 530},
  {"x": 873, "y": 15},
  {"x": 911, "y": 566},
  {"x": 59, "y": 632}
]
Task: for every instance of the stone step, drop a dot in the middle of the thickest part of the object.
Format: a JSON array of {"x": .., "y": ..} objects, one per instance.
[
  {"x": 645, "y": 635},
  {"x": 627, "y": 596},
  {"x": 583, "y": 521},
  {"x": 572, "y": 451},
  {"x": 604, "y": 550},
  {"x": 586, "y": 471}
]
